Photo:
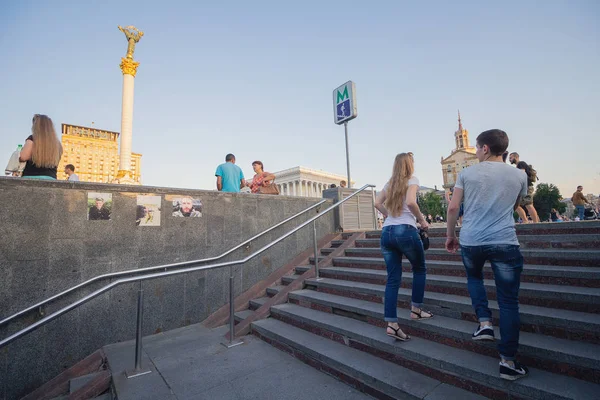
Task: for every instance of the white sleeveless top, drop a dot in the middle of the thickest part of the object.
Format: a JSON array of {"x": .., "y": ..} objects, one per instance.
[{"x": 407, "y": 217}]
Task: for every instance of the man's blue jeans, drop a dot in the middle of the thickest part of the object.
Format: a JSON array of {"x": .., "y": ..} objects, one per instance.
[
  {"x": 581, "y": 211},
  {"x": 396, "y": 241},
  {"x": 507, "y": 264}
]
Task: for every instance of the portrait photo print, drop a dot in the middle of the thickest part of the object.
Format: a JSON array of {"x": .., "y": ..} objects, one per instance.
[
  {"x": 148, "y": 210},
  {"x": 187, "y": 206},
  {"x": 99, "y": 206}
]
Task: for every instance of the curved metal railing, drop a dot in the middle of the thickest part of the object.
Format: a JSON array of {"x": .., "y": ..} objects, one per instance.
[{"x": 138, "y": 353}]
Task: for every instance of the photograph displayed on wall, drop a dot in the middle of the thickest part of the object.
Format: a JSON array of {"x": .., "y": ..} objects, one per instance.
[
  {"x": 148, "y": 210},
  {"x": 99, "y": 206},
  {"x": 186, "y": 206}
]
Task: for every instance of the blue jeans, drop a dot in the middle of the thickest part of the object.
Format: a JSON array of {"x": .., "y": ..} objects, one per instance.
[
  {"x": 396, "y": 241},
  {"x": 507, "y": 264},
  {"x": 581, "y": 211}
]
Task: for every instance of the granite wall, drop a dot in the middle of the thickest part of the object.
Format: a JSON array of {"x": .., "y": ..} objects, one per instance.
[{"x": 47, "y": 244}]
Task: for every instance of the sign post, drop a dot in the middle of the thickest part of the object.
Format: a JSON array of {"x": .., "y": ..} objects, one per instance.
[{"x": 344, "y": 109}]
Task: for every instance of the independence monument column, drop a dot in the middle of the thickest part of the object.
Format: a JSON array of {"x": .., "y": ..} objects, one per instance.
[{"x": 129, "y": 69}]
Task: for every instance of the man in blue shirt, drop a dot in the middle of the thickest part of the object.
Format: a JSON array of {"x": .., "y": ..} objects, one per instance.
[{"x": 230, "y": 177}]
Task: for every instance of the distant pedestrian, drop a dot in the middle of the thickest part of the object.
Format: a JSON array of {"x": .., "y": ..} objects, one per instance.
[
  {"x": 70, "y": 171},
  {"x": 491, "y": 189},
  {"x": 343, "y": 184},
  {"x": 579, "y": 201},
  {"x": 400, "y": 237},
  {"x": 42, "y": 150},
  {"x": 230, "y": 177},
  {"x": 261, "y": 178},
  {"x": 527, "y": 201},
  {"x": 555, "y": 216}
]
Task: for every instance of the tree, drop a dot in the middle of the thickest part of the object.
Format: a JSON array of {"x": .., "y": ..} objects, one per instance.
[
  {"x": 431, "y": 203},
  {"x": 546, "y": 197}
]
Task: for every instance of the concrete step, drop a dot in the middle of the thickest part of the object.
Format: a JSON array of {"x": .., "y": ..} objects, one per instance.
[
  {"x": 556, "y": 296},
  {"x": 255, "y": 304},
  {"x": 552, "y": 274},
  {"x": 548, "y": 321},
  {"x": 563, "y": 228},
  {"x": 380, "y": 378},
  {"x": 564, "y": 241},
  {"x": 242, "y": 315},
  {"x": 286, "y": 280},
  {"x": 81, "y": 381},
  {"x": 311, "y": 259},
  {"x": 449, "y": 364},
  {"x": 273, "y": 290},
  {"x": 337, "y": 243},
  {"x": 578, "y": 258},
  {"x": 327, "y": 251},
  {"x": 577, "y": 359}
]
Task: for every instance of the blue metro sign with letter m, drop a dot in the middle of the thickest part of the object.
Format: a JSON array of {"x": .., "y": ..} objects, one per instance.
[{"x": 344, "y": 103}]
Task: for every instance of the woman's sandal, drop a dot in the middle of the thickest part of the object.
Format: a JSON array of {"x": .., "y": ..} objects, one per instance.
[
  {"x": 420, "y": 315},
  {"x": 395, "y": 335}
]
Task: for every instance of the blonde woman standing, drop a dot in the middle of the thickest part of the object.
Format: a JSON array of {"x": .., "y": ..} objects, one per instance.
[
  {"x": 42, "y": 150},
  {"x": 400, "y": 237}
]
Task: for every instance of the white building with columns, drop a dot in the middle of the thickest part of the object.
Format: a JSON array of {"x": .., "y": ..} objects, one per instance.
[{"x": 305, "y": 182}]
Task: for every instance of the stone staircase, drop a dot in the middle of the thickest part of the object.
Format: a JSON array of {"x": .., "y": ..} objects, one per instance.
[{"x": 336, "y": 323}]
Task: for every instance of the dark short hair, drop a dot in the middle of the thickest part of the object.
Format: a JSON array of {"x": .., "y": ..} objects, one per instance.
[
  {"x": 579, "y": 187},
  {"x": 70, "y": 166},
  {"x": 495, "y": 139},
  {"x": 259, "y": 163},
  {"x": 514, "y": 153},
  {"x": 332, "y": 186},
  {"x": 229, "y": 157}
]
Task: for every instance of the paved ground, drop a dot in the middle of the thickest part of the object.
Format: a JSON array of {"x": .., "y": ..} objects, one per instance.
[{"x": 190, "y": 363}]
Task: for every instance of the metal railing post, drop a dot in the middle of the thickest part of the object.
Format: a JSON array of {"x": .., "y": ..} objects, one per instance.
[
  {"x": 138, "y": 370},
  {"x": 374, "y": 209},
  {"x": 232, "y": 340},
  {"x": 316, "y": 248}
]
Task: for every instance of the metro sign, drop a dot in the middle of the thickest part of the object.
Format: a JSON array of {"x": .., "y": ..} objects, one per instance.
[{"x": 344, "y": 103}]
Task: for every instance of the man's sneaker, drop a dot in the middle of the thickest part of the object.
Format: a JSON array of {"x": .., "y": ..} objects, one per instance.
[
  {"x": 484, "y": 333},
  {"x": 512, "y": 373}
]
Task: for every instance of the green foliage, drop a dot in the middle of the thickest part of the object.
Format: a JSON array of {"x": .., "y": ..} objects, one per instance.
[
  {"x": 431, "y": 203},
  {"x": 546, "y": 197}
]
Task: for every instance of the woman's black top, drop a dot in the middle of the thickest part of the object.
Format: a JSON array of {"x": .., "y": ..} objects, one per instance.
[{"x": 33, "y": 170}]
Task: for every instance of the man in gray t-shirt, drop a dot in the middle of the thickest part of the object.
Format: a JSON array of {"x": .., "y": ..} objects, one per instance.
[{"x": 491, "y": 191}]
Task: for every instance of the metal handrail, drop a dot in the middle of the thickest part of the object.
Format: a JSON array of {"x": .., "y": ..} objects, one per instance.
[
  {"x": 144, "y": 270},
  {"x": 137, "y": 371}
]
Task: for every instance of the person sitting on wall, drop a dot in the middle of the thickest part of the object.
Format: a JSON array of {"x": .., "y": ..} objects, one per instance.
[
  {"x": 99, "y": 211},
  {"x": 261, "y": 178}
]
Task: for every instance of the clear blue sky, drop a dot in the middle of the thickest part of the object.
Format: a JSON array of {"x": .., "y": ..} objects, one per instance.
[{"x": 255, "y": 79}]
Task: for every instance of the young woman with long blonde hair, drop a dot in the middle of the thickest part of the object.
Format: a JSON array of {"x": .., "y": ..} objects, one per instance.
[
  {"x": 400, "y": 237},
  {"x": 42, "y": 150}
]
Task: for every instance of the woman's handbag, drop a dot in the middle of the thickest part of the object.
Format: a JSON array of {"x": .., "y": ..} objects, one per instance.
[
  {"x": 271, "y": 188},
  {"x": 424, "y": 238}
]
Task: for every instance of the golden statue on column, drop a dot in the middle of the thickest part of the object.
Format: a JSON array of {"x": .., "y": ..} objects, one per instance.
[{"x": 129, "y": 69}]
